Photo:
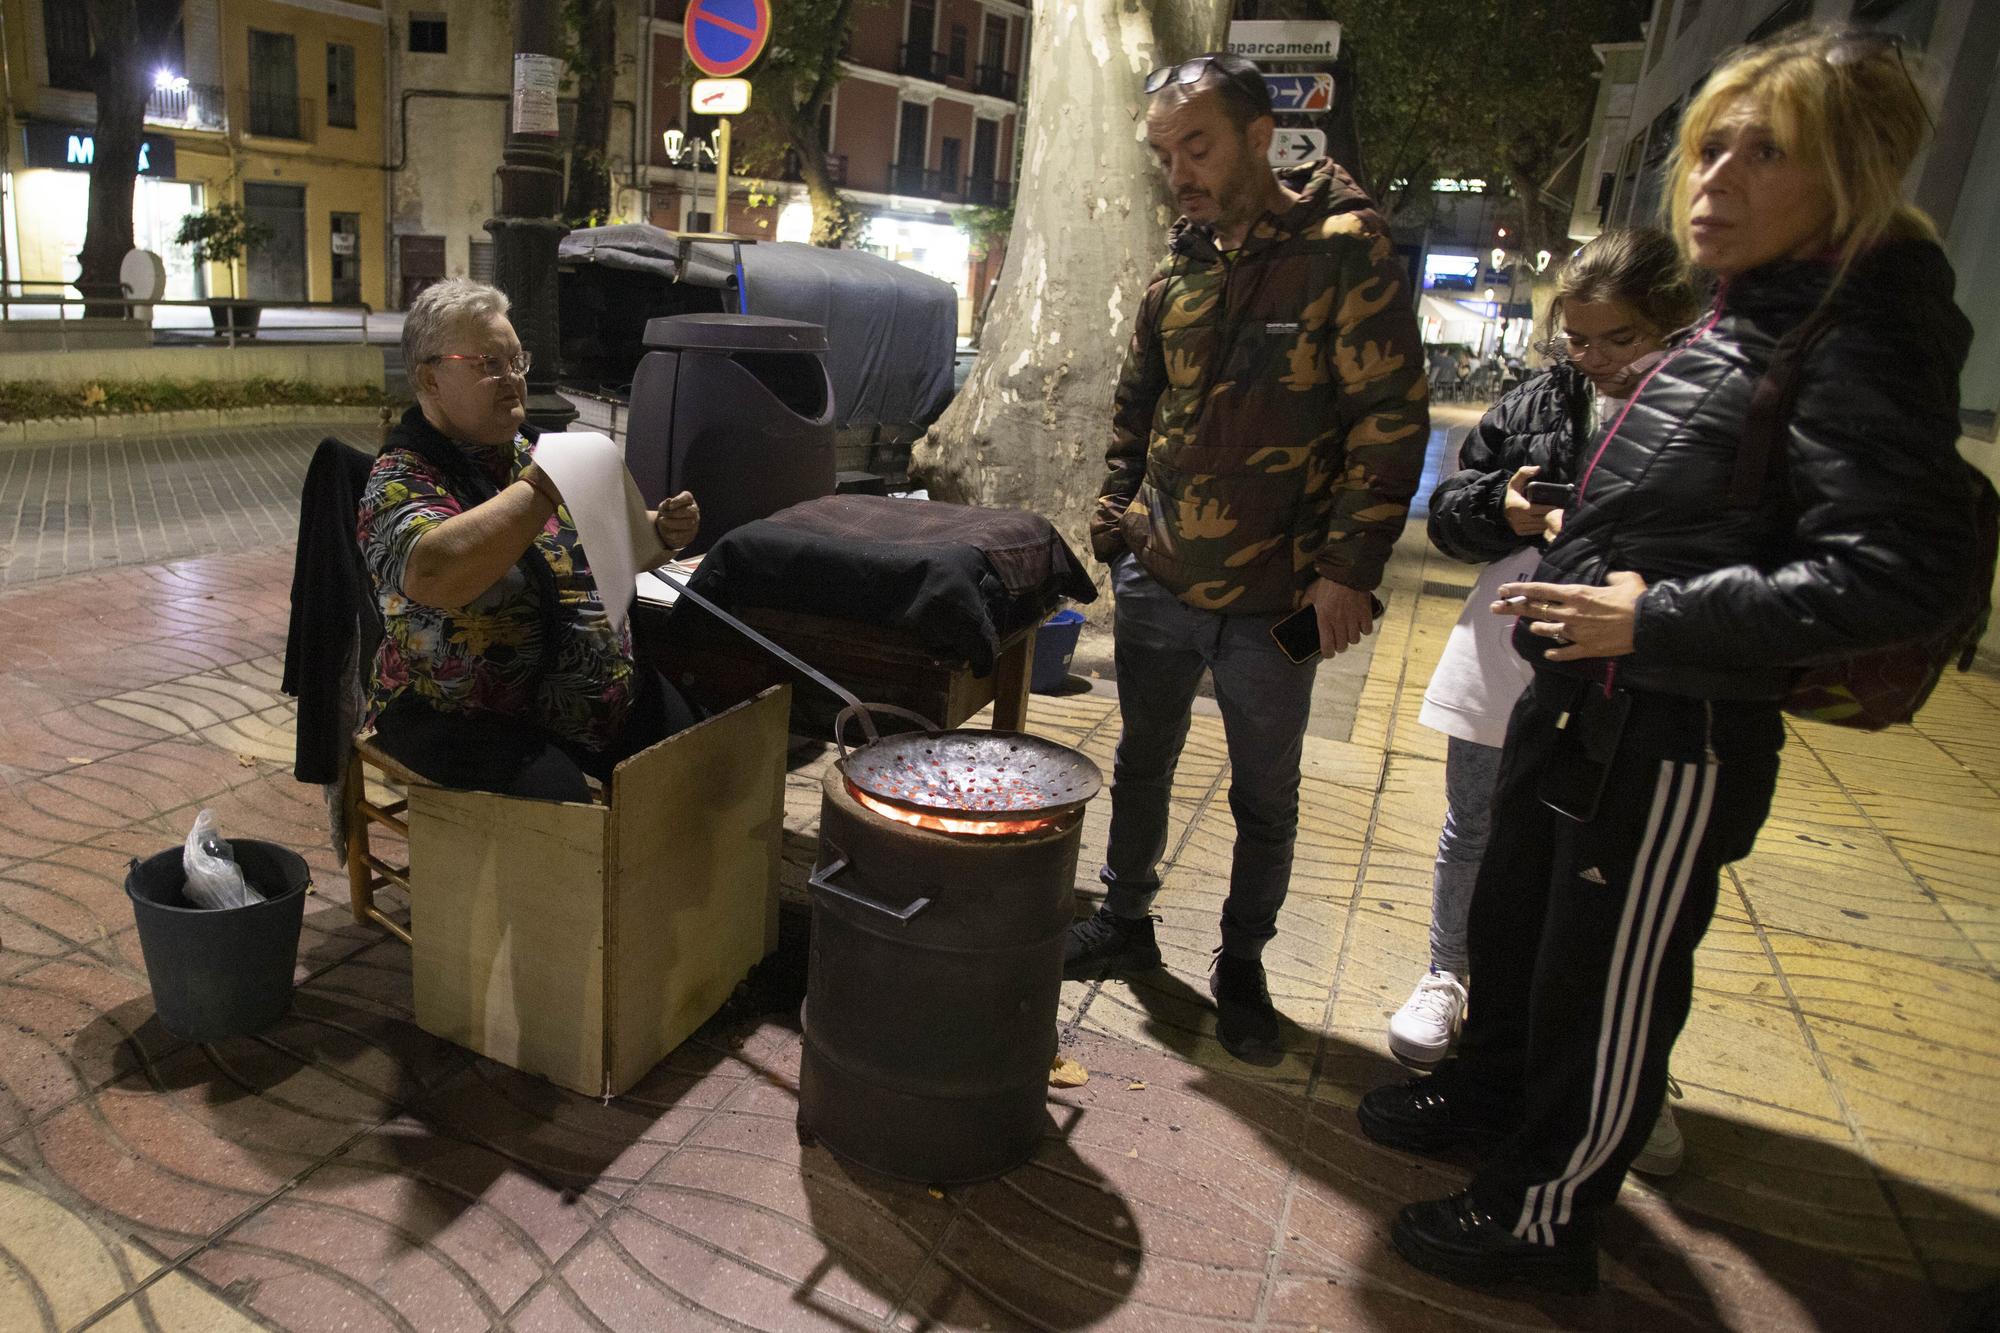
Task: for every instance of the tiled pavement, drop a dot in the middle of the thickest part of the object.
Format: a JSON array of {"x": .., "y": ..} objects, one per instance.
[
  {"x": 345, "y": 1170},
  {"x": 70, "y": 507}
]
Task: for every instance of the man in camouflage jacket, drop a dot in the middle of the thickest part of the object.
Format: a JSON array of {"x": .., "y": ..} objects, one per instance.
[{"x": 1267, "y": 433}]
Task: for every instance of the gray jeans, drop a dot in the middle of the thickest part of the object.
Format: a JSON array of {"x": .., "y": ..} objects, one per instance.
[
  {"x": 1163, "y": 645},
  {"x": 1471, "y": 771}
]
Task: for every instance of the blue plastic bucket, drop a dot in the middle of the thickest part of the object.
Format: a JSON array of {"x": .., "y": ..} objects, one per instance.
[{"x": 1055, "y": 646}]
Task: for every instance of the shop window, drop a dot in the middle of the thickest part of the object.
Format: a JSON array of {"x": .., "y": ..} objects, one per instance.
[
  {"x": 66, "y": 32},
  {"x": 427, "y": 33},
  {"x": 340, "y": 85}
]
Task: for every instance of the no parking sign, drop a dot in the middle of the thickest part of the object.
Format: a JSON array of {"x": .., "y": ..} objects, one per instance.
[{"x": 725, "y": 37}]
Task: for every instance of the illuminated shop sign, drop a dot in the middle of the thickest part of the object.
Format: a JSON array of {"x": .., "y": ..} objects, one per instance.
[{"x": 74, "y": 148}]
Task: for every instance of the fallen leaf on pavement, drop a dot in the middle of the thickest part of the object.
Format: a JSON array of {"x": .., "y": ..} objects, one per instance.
[
  {"x": 74, "y": 759},
  {"x": 246, "y": 761},
  {"x": 934, "y": 1192},
  {"x": 1067, "y": 1073},
  {"x": 1136, "y": 1085}
]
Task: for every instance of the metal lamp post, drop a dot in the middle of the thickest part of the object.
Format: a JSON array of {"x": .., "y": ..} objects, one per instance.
[{"x": 527, "y": 229}]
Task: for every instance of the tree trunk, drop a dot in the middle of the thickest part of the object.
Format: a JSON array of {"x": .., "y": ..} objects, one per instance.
[
  {"x": 835, "y": 219},
  {"x": 589, "y": 200},
  {"x": 127, "y": 35},
  {"x": 1030, "y": 427}
]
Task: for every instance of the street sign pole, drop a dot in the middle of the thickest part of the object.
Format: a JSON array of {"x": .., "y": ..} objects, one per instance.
[{"x": 722, "y": 175}]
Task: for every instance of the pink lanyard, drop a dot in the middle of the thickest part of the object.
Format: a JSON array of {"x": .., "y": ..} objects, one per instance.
[{"x": 1713, "y": 315}]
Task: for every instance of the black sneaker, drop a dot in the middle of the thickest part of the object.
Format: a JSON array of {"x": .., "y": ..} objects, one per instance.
[
  {"x": 1245, "y": 1022},
  {"x": 1424, "y": 1116},
  {"x": 1109, "y": 946},
  {"x": 1459, "y": 1241}
]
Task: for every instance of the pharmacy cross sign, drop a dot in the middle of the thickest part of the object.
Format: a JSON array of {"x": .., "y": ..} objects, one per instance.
[{"x": 725, "y": 37}]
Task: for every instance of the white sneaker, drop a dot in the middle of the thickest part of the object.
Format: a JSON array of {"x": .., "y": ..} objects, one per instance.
[
  {"x": 1665, "y": 1146},
  {"x": 1423, "y": 1030}
]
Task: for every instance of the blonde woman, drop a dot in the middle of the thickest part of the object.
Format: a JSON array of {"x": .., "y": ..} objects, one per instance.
[{"x": 1665, "y": 623}]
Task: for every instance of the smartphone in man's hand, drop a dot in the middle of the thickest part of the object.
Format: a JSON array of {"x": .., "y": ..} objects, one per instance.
[
  {"x": 1298, "y": 633},
  {"x": 1557, "y": 494}
]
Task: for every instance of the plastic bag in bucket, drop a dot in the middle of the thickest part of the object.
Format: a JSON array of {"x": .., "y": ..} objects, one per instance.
[{"x": 220, "y": 972}]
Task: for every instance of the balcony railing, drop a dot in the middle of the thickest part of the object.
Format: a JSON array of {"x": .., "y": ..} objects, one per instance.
[
  {"x": 279, "y": 117},
  {"x": 988, "y": 194},
  {"x": 922, "y": 182},
  {"x": 188, "y": 106},
  {"x": 921, "y": 62},
  {"x": 836, "y": 167},
  {"x": 996, "y": 82}
]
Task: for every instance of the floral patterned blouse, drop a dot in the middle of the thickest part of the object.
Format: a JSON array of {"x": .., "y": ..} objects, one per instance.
[{"x": 482, "y": 657}]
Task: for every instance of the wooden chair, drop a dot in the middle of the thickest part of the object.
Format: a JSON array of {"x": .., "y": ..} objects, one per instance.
[{"x": 366, "y": 872}]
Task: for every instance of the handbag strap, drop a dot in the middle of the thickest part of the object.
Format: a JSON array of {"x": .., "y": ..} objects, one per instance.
[{"x": 1760, "y": 452}]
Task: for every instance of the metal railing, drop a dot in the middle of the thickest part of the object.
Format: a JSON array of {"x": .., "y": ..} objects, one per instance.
[
  {"x": 988, "y": 194},
  {"x": 276, "y": 117},
  {"x": 919, "y": 61},
  {"x": 188, "y": 106},
  {"x": 996, "y": 82},
  {"x": 836, "y": 167},
  {"x": 228, "y": 329},
  {"x": 922, "y": 181}
]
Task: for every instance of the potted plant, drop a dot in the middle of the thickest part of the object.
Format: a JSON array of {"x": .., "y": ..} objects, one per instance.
[{"x": 222, "y": 235}]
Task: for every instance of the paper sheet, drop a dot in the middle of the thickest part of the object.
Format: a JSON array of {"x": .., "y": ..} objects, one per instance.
[{"x": 610, "y": 516}]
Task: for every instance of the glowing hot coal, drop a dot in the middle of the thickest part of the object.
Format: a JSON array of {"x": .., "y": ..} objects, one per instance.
[{"x": 947, "y": 823}]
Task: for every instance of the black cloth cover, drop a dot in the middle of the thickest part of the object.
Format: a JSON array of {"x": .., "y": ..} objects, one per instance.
[
  {"x": 334, "y": 622},
  {"x": 955, "y": 576},
  {"x": 891, "y": 332}
]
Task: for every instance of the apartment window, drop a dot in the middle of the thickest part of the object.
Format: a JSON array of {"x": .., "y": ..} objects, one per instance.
[
  {"x": 274, "y": 84},
  {"x": 912, "y": 143},
  {"x": 66, "y": 35},
  {"x": 955, "y": 57},
  {"x": 993, "y": 51},
  {"x": 427, "y": 33},
  {"x": 340, "y": 85},
  {"x": 948, "y": 153}
]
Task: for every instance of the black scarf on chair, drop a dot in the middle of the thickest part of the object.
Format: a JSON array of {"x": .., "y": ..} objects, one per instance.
[{"x": 469, "y": 482}]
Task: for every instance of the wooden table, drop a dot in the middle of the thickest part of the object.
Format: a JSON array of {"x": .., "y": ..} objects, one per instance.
[{"x": 880, "y": 665}]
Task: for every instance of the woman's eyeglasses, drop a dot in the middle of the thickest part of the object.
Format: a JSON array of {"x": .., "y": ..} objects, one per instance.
[
  {"x": 492, "y": 367},
  {"x": 1861, "y": 47}
]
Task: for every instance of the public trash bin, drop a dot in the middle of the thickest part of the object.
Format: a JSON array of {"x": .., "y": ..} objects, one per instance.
[
  {"x": 220, "y": 972},
  {"x": 737, "y": 409},
  {"x": 1055, "y": 648}
]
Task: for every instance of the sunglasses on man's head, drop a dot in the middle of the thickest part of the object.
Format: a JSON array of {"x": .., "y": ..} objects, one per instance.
[{"x": 1239, "y": 82}]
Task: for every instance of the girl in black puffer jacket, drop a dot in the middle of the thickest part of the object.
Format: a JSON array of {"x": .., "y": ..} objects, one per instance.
[
  {"x": 1616, "y": 302},
  {"x": 1666, "y": 622}
]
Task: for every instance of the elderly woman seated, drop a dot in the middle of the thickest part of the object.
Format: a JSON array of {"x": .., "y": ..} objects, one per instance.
[{"x": 499, "y": 670}]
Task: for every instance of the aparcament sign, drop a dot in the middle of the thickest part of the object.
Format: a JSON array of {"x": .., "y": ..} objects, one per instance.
[{"x": 1266, "y": 40}]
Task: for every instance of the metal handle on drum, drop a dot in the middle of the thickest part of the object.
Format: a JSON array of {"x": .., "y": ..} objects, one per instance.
[
  {"x": 822, "y": 878},
  {"x": 862, "y": 711}
]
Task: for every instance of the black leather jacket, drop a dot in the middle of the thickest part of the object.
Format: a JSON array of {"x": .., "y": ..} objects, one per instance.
[
  {"x": 1863, "y": 539},
  {"x": 1544, "y": 423}
]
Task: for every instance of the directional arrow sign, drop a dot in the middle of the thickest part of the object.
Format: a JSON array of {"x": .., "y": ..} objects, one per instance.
[
  {"x": 1300, "y": 92},
  {"x": 1291, "y": 148}
]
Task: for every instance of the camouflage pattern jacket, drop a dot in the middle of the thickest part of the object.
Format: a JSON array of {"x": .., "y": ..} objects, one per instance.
[{"x": 1271, "y": 421}]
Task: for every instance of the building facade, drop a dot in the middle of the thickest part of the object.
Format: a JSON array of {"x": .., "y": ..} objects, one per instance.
[
  {"x": 272, "y": 104},
  {"x": 449, "y": 77},
  {"x": 921, "y": 126}
]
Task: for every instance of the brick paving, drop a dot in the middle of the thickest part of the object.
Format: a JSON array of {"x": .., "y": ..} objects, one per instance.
[
  {"x": 346, "y": 1170},
  {"x": 69, "y": 507}
]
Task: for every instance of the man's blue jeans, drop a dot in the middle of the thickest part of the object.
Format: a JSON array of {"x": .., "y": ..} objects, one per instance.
[{"x": 1162, "y": 646}]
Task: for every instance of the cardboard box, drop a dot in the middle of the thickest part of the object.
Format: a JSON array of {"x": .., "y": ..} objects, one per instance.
[{"x": 582, "y": 943}]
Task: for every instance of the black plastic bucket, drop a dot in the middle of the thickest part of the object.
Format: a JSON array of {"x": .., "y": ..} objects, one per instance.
[{"x": 220, "y": 972}]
